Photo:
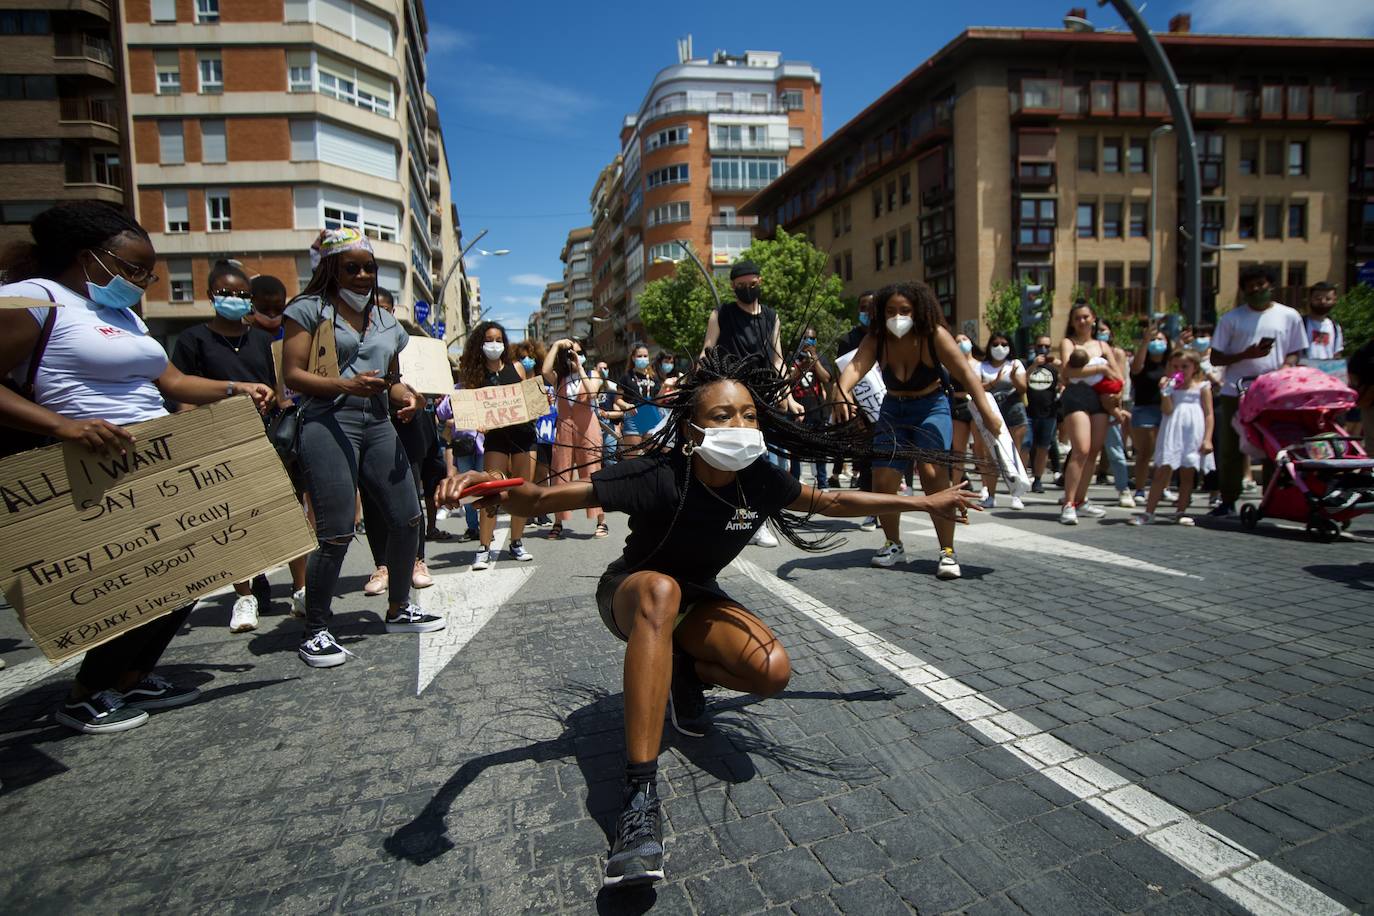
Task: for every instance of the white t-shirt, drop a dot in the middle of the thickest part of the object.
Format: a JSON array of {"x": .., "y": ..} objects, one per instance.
[
  {"x": 100, "y": 363},
  {"x": 1324, "y": 338},
  {"x": 1243, "y": 327}
]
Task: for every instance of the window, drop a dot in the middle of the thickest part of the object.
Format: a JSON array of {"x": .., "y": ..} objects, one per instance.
[
  {"x": 179, "y": 273},
  {"x": 667, "y": 251},
  {"x": 1273, "y": 220},
  {"x": 1037, "y": 221},
  {"x": 170, "y": 142},
  {"x": 21, "y": 212},
  {"x": 1247, "y": 226},
  {"x": 1087, "y": 152},
  {"x": 1140, "y": 220},
  {"x": 213, "y": 148},
  {"x": 848, "y": 265},
  {"x": 217, "y": 211},
  {"x": 300, "y": 73},
  {"x": 672, "y": 136},
  {"x": 328, "y": 142},
  {"x": 1113, "y": 276},
  {"x": 892, "y": 250},
  {"x": 1111, "y": 219},
  {"x": 167, "y": 68},
  {"x": 105, "y": 169},
  {"x": 1111, "y": 154},
  {"x": 207, "y": 11},
  {"x": 30, "y": 151},
  {"x": 1087, "y": 221},
  {"x": 25, "y": 22},
  {"x": 838, "y": 266},
  {"x": 1297, "y": 157},
  {"x": 1297, "y": 220},
  {"x": 730, "y": 242},
  {"x": 744, "y": 173},
  {"x": 346, "y": 17},
  {"x": 796, "y": 136},
  {"x": 164, "y": 11},
  {"x": 176, "y": 212},
  {"x": 792, "y": 100},
  {"x": 211, "y": 68},
  {"x": 758, "y": 101},
  {"x": 836, "y": 225},
  {"x": 877, "y": 202},
  {"x": 906, "y": 244},
  {"x": 346, "y": 83},
  {"x": 28, "y": 87},
  {"x": 1273, "y": 157},
  {"x": 1213, "y": 221},
  {"x": 725, "y": 101},
  {"x": 678, "y": 212},
  {"x": 891, "y": 196},
  {"x": 1135, "y": 156},
  {"x": 906, "y": 188},
  {"x": 1296, "y": 273},
  {"x": 672, "y": 174},
  {"x": 1087, "y": 275},
  {"x": 878, "y": 255},
  {"x": 1249, "y": 163},
  {"x": 1139, "y": 276},
  {"x": 848, "y": 218}
]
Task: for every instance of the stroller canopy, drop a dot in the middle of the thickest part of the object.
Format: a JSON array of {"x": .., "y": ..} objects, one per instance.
[{"x": 1295, "y": 388}]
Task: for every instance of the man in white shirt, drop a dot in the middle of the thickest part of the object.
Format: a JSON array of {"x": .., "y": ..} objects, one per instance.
[
  {"x": 1254, "y": 338},
  {"x": 1324, "y": 337}
]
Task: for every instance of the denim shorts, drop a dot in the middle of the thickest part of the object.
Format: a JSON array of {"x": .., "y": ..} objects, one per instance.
[
  {"x": 1146, "y": 416},
  {"x": 1042, "y": 431},
  {"x": 911, "y": 423}
]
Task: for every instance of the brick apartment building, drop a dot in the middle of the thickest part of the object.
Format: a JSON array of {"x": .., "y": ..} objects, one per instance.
[{"x": 1027, "y": 153}]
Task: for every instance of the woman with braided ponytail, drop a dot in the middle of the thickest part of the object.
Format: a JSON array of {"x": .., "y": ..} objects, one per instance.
[{"x": 695, "y": 498}]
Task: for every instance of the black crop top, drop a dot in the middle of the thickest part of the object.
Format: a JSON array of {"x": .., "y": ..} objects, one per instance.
[{"x": 921, "y": 378}]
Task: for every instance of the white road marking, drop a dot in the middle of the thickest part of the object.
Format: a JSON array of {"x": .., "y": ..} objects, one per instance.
[
  {"x": 1235, "y": 871},
  {"x": 468, "y": 600},
  {"x": 1009, "y": 537}
]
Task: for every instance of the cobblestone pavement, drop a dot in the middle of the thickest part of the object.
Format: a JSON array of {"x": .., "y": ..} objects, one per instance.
[{"x": 1096, "y": 719}]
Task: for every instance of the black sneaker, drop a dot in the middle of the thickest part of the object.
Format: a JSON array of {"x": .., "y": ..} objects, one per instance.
[
  {"x": 1038, "y": 486},
  {"x": 833, "y": 482},
  {"x": 637, "y": 856},
  {"x": 156, "y": 692},
  {"x": 411, "y": 619},
  {"x": 687, "y": 699},
  {"x": 470, "y": 535},
  {"x": 1222, "y": 510},
  {"x": 96, "y": 715},
  {"x": 322, "y": 650}
]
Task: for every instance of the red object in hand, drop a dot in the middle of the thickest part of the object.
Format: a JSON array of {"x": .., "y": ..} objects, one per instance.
[{"x": 480, "y": 490}]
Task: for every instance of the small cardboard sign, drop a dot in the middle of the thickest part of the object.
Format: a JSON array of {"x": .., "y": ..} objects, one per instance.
[
  {"x": 324, "y": 352},
  {"x": 499, "y": 405},
  {"x": 278, "y": 370},
  {"x": 1336, "y": 368},
  {"x": 425, "y": 366},
  {"x": 870, "y": 390},
  {"x": 92, "y": 546},
  {"x": 26, "y": 302}
]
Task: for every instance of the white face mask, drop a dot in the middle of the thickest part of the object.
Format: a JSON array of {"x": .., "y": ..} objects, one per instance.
[
  {"x": 356, "y": 301},
  {"x": 730, "y": 448},
  {"x": 899, "y": 325},
  {"x": 999, "y": 353},
  {"x": 493, "y": 349}
]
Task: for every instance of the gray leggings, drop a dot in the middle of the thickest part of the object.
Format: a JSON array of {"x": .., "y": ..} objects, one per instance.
[{"x": 355, "y": 443}]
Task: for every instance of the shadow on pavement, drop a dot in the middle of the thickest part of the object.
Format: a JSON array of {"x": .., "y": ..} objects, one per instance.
[
  {"x": 1357, "y": 576},
  {"x": 853, "y": 559}
]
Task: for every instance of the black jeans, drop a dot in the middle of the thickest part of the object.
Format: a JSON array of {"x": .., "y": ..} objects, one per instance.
[
  {"x": 137, "y": 650},
  {"x": 356, "y": 443},
  {"x": 375, "y": 522}
]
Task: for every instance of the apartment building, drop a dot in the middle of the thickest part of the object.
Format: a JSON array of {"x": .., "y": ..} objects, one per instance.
[
  {"x": 577, "y": 281},
  {"x": 551, "y": 322},
  {"x": 1038, "y": 154},
  {"x": 259, "y": 124},
  {"x": 62, "y": 120}
]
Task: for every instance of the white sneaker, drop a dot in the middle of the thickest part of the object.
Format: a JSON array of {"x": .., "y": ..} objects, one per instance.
[
  {"x": 949, "y": 565},
  {"x": 1017, "y": 504},
  {"x": 869, "y": 524},
  {"x": 1144, "y": 518},
  {"x": 245, "y": 615},
  {"x": 440, "y": 515},
  {"x": 1068, "y": 515},
  {"x": 1091, "y": 511},
  {"x": 982, "y": 492},
  {"x": 763, "y": 538},
  {"x": 518, "y": 552},
  {"x": 1169, "y": 496},
  {"x": 1126, "y": 500},
  {"x": 482, "y": 560},
  {"x": 989, "y": 501},
  {"x": 889, "y": 555},
  {"x": 298, "y": 603}
]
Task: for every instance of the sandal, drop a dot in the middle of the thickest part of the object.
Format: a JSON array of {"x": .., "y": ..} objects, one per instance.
[
  {"x": 556, "y": 532},
  {"x": 438, "y": 534},
  {"x": 601, "y": 530}
]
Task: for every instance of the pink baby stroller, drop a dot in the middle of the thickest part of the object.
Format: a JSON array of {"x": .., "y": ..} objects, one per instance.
[{"x": 1322, "y": 476}]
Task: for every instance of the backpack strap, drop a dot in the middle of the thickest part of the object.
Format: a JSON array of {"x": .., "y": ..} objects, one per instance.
[{"x": 43, "y": 335}]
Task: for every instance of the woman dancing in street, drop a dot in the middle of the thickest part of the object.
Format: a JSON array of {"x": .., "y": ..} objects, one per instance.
[{"x": 693, "y": 506}]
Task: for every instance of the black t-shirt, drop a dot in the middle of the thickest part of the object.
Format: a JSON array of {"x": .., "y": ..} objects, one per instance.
[
  {"x": 709, "y": 532},
  {"x": 209, "y": 354},
  {"x": 850, "y": 342},
  {"x": 742, "y": 334},
  {"x": 638, "y": 389},
  {"x": 808, "y": 391},
  {"x": 1041, "y": 390},
  {"x": 1145, "y": 383}
]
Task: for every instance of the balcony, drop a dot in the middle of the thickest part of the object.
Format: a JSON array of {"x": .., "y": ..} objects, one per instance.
[
  {"x": 95, "y": 111},
  {"x": 80, "y": 45},
  {"x": 1037, "y": 96},
  {"x": 719, "y": 145},
  {"x": 936, "y": 195},
  {"x": 739, "y": 184},
  {"x": 938, "y": 250},
  {"x": 1032, "y": 174},
  {"x": 433, "y": 182}
]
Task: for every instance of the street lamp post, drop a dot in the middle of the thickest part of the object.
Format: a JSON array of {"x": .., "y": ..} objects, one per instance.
[
  {"x": 1154, "y": 206},
  {"x": 439, "y": 299},
  {"x": 710, "y": 281}
]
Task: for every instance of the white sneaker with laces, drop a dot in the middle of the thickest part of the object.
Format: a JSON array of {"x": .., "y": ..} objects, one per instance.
[
  {"x": 1091, "y": 511},
  {"x": 1126, "y": 500},
  {"x": 482, "y": 560},
  {"x": 518, "y": 552},
  {"x": 948, "y": 567},
  {"x": 1169, "y": 496},
  {"x": 763, "y": 538},
  {"x": 440, "y": 515},
  {"x": 1068, "y": 515},
  {"x": 245, "y": 615},
  {"x": 298, "y": 603},
  {"x": 1017, "y": 504},
  {"x": 323, "y": 651},
  {"x": 889, "y": 555},
  {"x": 411, "y": 619},
  {"x": 869, "y": 524}
]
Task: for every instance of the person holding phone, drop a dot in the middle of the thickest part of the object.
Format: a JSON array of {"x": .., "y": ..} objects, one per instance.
[{"x": 1254, "y": 338}]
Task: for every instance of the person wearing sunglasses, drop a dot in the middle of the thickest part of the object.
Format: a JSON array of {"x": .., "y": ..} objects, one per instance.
[
  {"x": 346, "y": 435},
  {"x": 98, "y": 372}
]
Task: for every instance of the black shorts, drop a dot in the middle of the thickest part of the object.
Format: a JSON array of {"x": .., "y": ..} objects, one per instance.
[
  {"x": 511, "y": 440},
  {"x": 1080, "y": 397},
  {"x": 543, "y": 454},
  {"x": 692, "y": 594},
  {"x": 959, "y": 410}
]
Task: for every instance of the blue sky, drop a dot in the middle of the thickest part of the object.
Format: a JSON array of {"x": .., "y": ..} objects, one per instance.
[{"x": 532, "y": 95}]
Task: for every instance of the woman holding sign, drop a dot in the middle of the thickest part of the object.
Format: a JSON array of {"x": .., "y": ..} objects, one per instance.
[
  {"x": 577, "y": 443},
  {"x": 346, "y": 436},
  {"x": 912, "y": 348},
  {"x": 486, "y": 362},
  {"x": 90, "y": 369}
]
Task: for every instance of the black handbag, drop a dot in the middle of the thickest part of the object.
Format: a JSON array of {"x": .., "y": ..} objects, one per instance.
[
  {"x": 19, "y": 440},
  {"x": 284, "y": 432}
]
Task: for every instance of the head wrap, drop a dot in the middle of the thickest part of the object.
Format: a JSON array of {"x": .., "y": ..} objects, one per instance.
[
  {"x": 336, "y": 241},
  {"x": 743, "y": 269}
]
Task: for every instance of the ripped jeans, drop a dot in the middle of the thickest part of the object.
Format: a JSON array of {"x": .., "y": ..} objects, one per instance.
[{"x": 353, "y": 445}]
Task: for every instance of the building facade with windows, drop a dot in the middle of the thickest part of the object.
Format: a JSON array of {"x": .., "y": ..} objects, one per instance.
[
  {"x": 63, "y": 133},
  {"x": 1033, "y": 153},
  {"x": 577, "y": 282},
  {"x": 256, "y": 125}
]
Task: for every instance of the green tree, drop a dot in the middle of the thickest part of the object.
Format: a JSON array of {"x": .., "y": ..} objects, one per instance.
[
  {"x": 1003, "y": 311},
  {"x": 798, "y": 287},
  {"x": 1355, "y": 314},
  {"x": 675, "y": 308}
]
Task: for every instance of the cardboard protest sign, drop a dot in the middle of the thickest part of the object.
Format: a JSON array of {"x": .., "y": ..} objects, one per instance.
[
  {"x": 25, "y": 302},
  {"x": 324, "y": 352},
  {"x": 92, "y": 546},
  {"x": 425, "y": 366},
  {"x": 870, "y": 390},
  {"x": 278, "y": 370},
  {"x": 500, "y": 405}
]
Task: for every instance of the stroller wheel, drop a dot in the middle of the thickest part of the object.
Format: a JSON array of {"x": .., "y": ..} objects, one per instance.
[
  {"x": 1249, "y": 515},
  {"x": 1323, "y": 530}
]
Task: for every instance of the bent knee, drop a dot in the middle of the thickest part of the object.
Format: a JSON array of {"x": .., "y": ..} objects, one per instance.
[
  {"x": 772, "y": 678},
  {"x": 657, "y": 601}
]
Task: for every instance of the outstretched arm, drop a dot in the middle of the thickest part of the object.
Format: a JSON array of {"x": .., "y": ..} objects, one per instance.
[
  {"x": 527, "y": 500},
  {"x": 953, "y": 503}
]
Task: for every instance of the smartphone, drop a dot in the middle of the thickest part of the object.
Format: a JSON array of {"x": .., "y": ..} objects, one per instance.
[{"x": 1267, "y": 341}]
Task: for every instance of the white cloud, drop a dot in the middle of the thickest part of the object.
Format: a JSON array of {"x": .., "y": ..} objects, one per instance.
[
  {"x": 444, "y": 39},
  {"x": 538, "y": 281},
  {"x": 525, "y": 301},
  {"x": 510, "y": 94},
  {"x": 1338, "y": 18}
]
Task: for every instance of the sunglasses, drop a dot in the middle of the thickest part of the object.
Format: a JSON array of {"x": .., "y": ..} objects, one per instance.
[
  {"x": 230, "y": 292},
  {"x": 353, "y": 268},
  {"x": 744, "y": 286},
  {"x": 134, "y": 273}
]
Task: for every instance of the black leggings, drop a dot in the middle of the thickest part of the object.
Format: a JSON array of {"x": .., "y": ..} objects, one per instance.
[
  {"x": 137, "y": 650},
  {"x": 375, "y": 522}
]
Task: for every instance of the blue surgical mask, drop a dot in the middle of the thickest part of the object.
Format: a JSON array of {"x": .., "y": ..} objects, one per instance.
[
  {"x": 641, "y": 362},
  {"x": 965, "y": 347},
  {"x": 808, "y": 341},
  {"x": 864, "y": 319},
  {"x": 1202, "y": 344},
  {"x": 232, "y": 308},
  {"x": 1157, "y": 347},
  {"x": 118, "y": 294},
  {"x": 527, "y": 362},
  {"x": 1105, "y": 337},
  {"x": 666, "y": 367}
]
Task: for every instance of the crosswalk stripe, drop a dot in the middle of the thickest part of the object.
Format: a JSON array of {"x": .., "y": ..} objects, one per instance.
[{"x": 1257, "y": 885}]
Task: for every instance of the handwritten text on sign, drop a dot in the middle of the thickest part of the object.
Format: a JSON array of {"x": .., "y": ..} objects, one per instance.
[
  {"x": 499, "y": 405},
  {"x": 91, "y": 545}
]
